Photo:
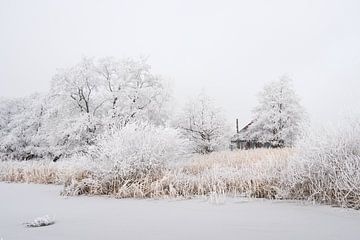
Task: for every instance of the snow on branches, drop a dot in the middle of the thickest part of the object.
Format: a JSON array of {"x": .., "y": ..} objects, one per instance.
[
  {"x": 84, "y": 100},
  {"x": 121, "y": 90},
  {"x": 278, "y": 116},
  {"x": 138, "y": 149},
  {"x": 21, "y": 135},
  {"x": 203, "y": 124}
]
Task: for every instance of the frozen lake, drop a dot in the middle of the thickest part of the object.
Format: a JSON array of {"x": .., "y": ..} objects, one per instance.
[{"x": 104, "y": 218}]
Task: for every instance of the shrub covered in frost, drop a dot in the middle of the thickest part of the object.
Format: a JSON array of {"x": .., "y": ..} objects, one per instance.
[
  {"x": 139, "y": 149},
  {"x": 254, "y": 173},
  {"x": 326, "y": 168},
  {"x": 129, "y": 155}
]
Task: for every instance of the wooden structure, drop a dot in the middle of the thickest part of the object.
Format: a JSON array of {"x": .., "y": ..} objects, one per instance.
[{"x": 241, "y": 139}]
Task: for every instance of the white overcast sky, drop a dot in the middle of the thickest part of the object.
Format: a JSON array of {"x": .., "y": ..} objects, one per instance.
[{"x": 230, "y": 49}]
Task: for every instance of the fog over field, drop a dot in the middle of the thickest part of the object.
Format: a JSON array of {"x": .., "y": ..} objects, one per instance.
[{"x": 229, "y": 48}]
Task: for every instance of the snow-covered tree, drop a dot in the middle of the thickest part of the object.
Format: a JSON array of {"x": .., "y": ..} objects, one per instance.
[
  {"x": 97, "y": 94},
  {"x": 21, "y": 135},
  {"x": 84, "y": 101},
  {"x": 8, "y": 107},
  {"x": 203, "y": 124},
  {"x": 75, "y": 103},
  {"x": 79, "y": 84},
  {"x": 132, "y": 91},
  {"x": 279, "y": 116}
]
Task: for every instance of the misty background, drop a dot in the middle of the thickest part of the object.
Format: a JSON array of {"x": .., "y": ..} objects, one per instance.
[{"x": 229, "y": 49}]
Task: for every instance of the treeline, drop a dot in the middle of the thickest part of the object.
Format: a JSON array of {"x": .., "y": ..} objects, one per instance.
[
  {"x": 102, "y": 96},
  {"x": 89, "y": 99}
]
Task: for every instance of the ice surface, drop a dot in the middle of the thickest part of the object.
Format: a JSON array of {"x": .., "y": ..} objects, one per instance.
[{"x": 104, "y": 218}]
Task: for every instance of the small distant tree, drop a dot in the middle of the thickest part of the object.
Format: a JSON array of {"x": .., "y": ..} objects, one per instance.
[
  {"x": 203, "y": 124},
  {"x": 279, "y": 116}
]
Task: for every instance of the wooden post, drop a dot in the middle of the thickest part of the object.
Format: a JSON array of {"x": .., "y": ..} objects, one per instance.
[{"x": 237, "y": 125}]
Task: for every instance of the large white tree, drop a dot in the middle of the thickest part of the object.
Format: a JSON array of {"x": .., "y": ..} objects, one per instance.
[
  {"x": 124, "y": 89},
  {"x": 96, "y": 94},
  {"x": 132, "y": 91},
  {"x": 278, "y": 117},
  {"x": 75, "y": 102},
  {"x": 203, "y": 124}
]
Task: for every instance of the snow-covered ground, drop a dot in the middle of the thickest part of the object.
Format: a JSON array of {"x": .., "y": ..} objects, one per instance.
[{"x": 104, "y": 218}]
